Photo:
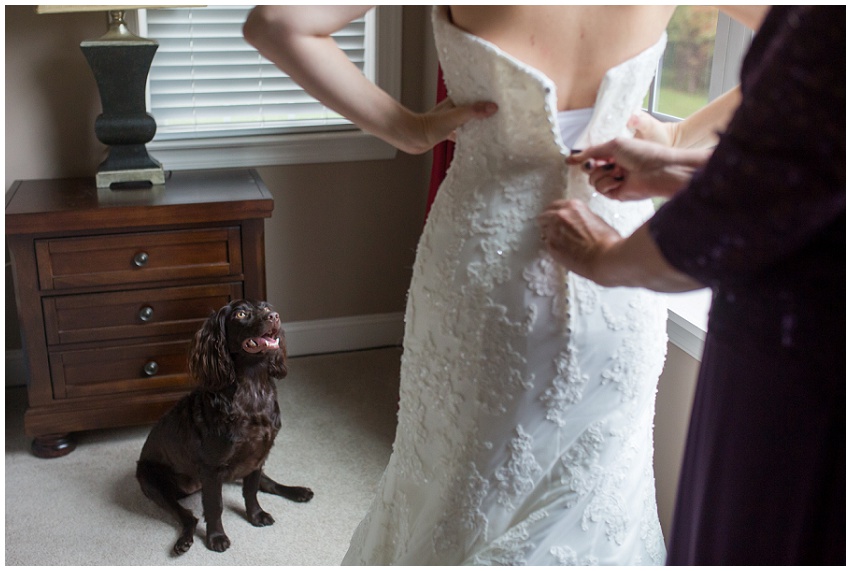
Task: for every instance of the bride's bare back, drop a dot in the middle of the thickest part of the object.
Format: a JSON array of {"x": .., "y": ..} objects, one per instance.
[{"x": 573, "y": 45}]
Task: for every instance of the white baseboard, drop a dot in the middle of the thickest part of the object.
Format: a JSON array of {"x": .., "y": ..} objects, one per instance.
[
  {"x": 344, "y": 333},
  {"x": 303, "y": 338}
]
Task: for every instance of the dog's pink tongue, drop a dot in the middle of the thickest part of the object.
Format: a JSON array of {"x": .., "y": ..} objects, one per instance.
[{"x": 260, "y": 344}]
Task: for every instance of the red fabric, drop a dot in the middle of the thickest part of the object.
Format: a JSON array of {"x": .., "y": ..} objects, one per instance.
[{"x": 442, "y": 153}]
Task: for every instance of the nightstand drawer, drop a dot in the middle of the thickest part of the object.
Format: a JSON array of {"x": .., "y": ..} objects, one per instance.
[
  {"x": 134, "y": 313},
  {"x": 120, "y": 369},
  {"x": 137, "y": 258}
]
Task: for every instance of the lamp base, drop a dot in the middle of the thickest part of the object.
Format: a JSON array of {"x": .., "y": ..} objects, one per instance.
[
  {"x": 105, "y": 178},
  {"x": 120, "y": 62}
]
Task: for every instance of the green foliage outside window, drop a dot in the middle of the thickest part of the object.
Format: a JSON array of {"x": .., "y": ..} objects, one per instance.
[{"x": 687, "y": 63}]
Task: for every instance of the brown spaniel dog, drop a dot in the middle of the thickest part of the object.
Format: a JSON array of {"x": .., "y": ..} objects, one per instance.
[{"x": 224, "y": 429}]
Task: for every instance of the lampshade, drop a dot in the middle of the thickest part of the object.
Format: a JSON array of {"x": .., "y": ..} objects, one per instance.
[{"x": 67, "y": 8}]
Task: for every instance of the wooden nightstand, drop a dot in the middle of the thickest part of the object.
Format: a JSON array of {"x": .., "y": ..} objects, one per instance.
[{"x": 112, "y": 285}]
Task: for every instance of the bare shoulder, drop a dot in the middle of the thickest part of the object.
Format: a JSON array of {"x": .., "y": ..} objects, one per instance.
[
  {"x": 492, "y": 22},
  {"x": 573, "y": 45}
]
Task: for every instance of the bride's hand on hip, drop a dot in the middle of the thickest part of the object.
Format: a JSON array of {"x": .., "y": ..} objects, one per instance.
[{"x": 440, "y": 123}]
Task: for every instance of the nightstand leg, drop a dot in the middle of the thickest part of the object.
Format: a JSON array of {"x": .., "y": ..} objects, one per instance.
[{"x": 53, "y": 445}]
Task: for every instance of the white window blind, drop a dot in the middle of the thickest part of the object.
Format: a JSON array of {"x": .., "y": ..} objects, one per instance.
[
  {"x": 206, "y": 80},
  {"x": 218, "y": 103}
]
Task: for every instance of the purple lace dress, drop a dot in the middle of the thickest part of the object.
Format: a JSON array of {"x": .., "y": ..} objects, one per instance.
[{"x": 763, "y": 478}]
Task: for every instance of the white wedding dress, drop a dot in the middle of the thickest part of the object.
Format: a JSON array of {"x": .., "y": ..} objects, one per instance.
[{"x": 525, "y": 431}]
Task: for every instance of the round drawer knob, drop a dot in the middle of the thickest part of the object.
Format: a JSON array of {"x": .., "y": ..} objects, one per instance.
[
  {"x": 140, "y": 259},
  {"x": 146, "y": 313},
  {"x": 151, "y": 368}
]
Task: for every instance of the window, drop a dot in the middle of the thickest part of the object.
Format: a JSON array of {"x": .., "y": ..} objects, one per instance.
[
  {"x": 218, "y": 103},
  {"x": 251, "y": 114},
  {"x": 701, "y": 61}
]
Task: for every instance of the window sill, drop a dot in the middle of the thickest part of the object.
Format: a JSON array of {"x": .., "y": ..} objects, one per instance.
[
  {"x": 304, "y": 148},
  {"x": 688, "y": 315}
]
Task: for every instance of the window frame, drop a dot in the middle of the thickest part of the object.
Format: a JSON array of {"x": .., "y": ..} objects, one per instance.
[
  {"x": 732, "y": 41},
  {"x": 348, "y": 143}
]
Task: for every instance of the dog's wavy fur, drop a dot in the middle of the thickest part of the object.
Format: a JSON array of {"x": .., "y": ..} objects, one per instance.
[{"x": 224, "y": 429}]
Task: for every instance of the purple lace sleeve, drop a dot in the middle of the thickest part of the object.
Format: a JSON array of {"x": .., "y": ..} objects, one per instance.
[{"x": 777, "y": 178}]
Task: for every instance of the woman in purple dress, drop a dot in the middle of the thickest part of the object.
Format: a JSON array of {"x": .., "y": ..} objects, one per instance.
[{"x": 762, "y": 222}]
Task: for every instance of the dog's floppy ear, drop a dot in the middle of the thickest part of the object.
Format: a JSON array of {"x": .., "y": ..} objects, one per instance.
[
  {"x": 210, "y": 362},
  {"x": 278, "y": 366},
  {"x": 278, "y": 362}
]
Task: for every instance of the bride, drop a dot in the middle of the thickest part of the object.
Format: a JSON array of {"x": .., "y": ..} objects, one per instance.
[{"x": 525, "y": 429}]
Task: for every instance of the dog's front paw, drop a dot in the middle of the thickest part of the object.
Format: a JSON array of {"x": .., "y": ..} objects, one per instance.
[
  {"x": 183, "y": 544},
  {"x": 218, "y": 542},
  {"x": 261, "y": 519},
  {"x": 302, "y": 495}
]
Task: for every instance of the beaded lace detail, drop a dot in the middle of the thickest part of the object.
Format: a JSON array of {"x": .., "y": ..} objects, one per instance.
[{"x": 527, "y": 393}]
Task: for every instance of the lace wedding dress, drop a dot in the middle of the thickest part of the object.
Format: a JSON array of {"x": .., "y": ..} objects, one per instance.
[{"x": 527, "y": 394}]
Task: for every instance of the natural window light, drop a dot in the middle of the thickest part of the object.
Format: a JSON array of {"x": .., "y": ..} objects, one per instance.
[
  {"x": 702, "y": 60},
  {"x": 206, "y": 80},
  {"x": 217, "y": 102}
]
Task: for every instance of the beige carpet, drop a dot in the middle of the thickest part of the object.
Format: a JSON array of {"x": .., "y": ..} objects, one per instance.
[{"x": 339, "y": 417}]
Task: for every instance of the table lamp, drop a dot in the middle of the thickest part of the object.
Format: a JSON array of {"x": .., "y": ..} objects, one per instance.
[{"x": 120, "y": 61}]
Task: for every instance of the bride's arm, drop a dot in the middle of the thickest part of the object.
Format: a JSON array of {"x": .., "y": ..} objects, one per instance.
[
  {"x": 750, "y": 16},
  {"x": 697, "y": 131},
  {"x": 298, "y": 40}
]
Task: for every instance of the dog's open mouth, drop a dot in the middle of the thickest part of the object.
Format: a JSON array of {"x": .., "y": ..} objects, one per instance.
[{"x": 266, "y": 342}]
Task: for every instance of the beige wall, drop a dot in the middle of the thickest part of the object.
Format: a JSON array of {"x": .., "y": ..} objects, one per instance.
[{"x": 342, "y": 238}]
